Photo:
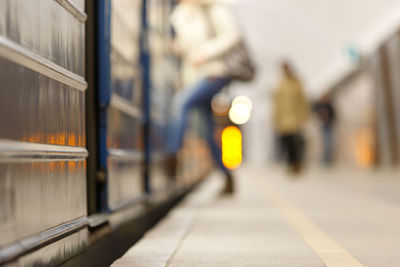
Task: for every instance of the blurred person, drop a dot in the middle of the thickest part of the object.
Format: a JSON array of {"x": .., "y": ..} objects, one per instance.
[
  {"x": 205, "y": 33},
  {"x": 326, "y": 113},
  {"x": 290, "y": 114}
]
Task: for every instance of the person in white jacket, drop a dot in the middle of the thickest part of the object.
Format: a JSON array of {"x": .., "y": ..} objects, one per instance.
[{"x": 205, "y": 32}]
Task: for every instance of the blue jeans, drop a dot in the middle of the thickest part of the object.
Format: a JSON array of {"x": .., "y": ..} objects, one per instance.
[
  {"x": 198, "y": 97},
  {"x": 327, "y": 142}
]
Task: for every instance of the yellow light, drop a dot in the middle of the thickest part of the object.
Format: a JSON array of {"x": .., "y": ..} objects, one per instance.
[{"x": 231, "y": 147}]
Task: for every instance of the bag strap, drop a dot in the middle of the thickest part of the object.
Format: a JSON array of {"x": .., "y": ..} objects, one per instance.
[{"x": 207, "y": 12}]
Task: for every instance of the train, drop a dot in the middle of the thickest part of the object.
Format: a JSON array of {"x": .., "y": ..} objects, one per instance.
[{"x": 85, "y": 92}]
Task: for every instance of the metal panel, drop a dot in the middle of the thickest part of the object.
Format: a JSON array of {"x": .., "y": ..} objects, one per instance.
[
  {"x": 75, "y": 7},
  {"x": 125, "y": 146},
  {"x": 125, "y": 28},
  {"x": 38, "y": 195},
  {"x": 37, "y": 109},
  {"x": 125, "y": 33},
  {"x": 124, "y": 131},
  {"x": 11, "y": 151},
  {"x": 79, "y": 4},
  {"x": 55, "y": 253},
  {"x": 125, "y": 181},
  {"x": 126, "y": 81},
  {"x": 26, "y": 58},
  {"x": 45, "y": 28}
]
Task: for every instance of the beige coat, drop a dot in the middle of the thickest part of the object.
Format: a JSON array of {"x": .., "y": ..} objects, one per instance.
[
  {"x": 197, "y": 38},
  {"x": 291, "y": 106}
]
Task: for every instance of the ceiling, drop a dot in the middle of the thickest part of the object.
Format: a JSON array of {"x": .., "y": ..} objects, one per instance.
[{"x": 313, "y": 34}]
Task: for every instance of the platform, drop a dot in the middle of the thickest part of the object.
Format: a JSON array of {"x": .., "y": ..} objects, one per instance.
[{"x": 338, "y": 217}]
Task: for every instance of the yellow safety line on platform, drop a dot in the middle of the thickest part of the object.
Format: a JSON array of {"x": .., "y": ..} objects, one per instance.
[{"x": 330, "y": 252}]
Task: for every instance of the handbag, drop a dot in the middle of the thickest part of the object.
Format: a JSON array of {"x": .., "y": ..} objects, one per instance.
[
  {"x": 240, "y": 66},
  {"x": 238, "y": 61}
]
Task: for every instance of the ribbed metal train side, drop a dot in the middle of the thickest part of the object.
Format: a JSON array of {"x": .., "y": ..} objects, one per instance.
[{"x": 42, "y": 131}]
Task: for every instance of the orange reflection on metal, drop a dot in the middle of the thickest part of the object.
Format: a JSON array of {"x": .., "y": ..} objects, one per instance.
[
  {"x": 72, "y": 140},
  {"x": 63, "y": 139},
  {"x": 63, "y": 166},
  {"x": 72, "y": 166},
  {"x": 364, "y": 148},
  {"x": 34, "y": 138},
  {"x": 231, "y": 147}
]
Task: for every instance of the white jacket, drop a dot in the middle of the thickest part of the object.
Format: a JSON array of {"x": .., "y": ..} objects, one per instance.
[{"x": 207, "y": 30}]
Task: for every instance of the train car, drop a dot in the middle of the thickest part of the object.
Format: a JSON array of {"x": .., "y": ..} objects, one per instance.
[
  {"x": 84, "y": 101},
  {"x": 42, "y": 131}
]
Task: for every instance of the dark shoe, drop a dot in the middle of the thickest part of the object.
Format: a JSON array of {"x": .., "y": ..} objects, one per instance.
[
  {"x": 229, "y": 188},
  {"x": 296, "y": 168},
  {"x": 171, "y": 165}
]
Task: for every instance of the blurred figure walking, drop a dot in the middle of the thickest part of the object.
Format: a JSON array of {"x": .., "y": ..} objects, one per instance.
[
  {"x": 326, "y": 113},
  {"x": 290, "y": 113},
  {"x": 206, "y": 34}
]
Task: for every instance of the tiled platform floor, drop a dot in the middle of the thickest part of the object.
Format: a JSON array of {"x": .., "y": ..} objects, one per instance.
[{"x": 338, "y": 217}]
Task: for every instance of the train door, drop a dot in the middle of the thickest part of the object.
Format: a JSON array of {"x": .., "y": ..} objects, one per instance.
[{"x": 117, "y": 178}]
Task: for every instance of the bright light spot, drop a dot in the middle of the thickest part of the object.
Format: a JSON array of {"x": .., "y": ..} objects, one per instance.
[
  {"x": 220, "y": 104},
  {"x": 243, "y": 100},
  {"x": 240, "y": 111},
  {"x": 231, "y": 147}
]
